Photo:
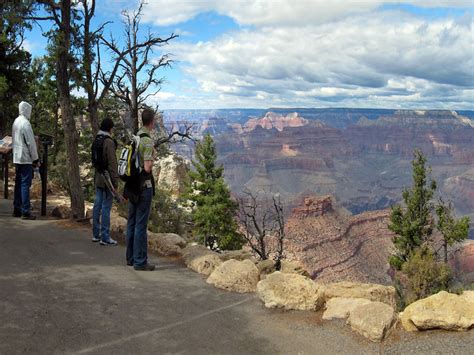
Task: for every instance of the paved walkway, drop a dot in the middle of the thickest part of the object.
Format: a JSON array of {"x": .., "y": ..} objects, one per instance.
[{"x": 61, "y": 293}]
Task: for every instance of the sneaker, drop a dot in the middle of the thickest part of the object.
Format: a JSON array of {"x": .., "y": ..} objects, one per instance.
[
  {"x": 108, "y": 242},
  {"x": 16, "y": 213},
  {"x": 129, "y": 263},
  {"x": 95, "y": 240},
  {"x": 28, "y": 217},
  {"x": 146, "y": 267}
]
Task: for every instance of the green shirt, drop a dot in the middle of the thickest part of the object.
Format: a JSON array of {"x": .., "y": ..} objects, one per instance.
[{"x": 145, "y": 148}]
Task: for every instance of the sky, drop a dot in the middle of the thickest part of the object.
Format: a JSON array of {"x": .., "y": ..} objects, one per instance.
[{"x": 415, "y": 54}]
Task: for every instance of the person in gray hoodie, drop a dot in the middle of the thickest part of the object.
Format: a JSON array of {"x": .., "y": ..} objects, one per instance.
[{"x": 25, "y": 157}]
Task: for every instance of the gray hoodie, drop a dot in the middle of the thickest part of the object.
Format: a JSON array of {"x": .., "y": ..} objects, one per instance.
[{"x": 24, "y": 143}]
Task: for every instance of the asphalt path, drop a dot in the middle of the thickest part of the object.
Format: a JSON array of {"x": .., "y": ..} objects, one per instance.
[{"x": 61, "y": 293}]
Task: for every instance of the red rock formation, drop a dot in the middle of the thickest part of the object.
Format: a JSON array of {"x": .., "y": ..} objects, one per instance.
[
  {"x": 275, "y": 120},
  {"x": 464, "y": 262},
  {"x": 334, "y": 246},
  {"x": 313, "y": 207}
]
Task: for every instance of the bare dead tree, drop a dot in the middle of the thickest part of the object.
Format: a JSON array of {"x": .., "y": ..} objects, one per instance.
[
  {"x": 91, "y": 54},
  {"x": 126, "y": 85},
  {"x": 91, "y": 43},
  {"x": 279, "y": 229},
  {"x": 180, "y": 135},
  {"x": 263, "y": 221}
]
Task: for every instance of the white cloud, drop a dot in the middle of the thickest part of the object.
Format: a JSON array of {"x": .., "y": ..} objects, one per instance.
[
  {"x": 311, "y": 53},
  {"x": 28, "y": 45},
  {"x": 163, "y": 95},
  {"x": 274, "y": 12},
  {"x": 388, "y": 59}
]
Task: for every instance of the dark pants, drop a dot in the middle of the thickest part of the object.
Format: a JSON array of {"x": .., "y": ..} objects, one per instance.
[
  {"x": 138, "y": 214},
  {"x": 23, "y": 177}
]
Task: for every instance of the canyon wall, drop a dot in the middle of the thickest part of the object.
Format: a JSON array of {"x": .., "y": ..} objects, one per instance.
[{"x": 335, "y": 246}]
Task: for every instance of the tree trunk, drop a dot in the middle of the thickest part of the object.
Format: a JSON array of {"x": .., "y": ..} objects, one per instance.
[
  {"x": 445, "y": 247},
  {"x": 94, "y": 118},
  {"x": 70, "y": 132},
  {"x": 92, "y": 105}
]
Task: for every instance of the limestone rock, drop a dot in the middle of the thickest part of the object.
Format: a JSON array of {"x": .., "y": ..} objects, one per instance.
[
  {"x": 234, "y": 275},
  {"x": 118, "y": 227},
  {"x": 468, "y": 296},
  {"x": 373, "y": 292},
  {"x": 171, "y": 172},
  {"x": 35, "y": 190},
  {"x": 167, "y": 244},
  {"x": 290, "y": 291},
  {"x": 341, "y": 307},
  {"x": 193, "y": 251},
  {"x": 61, "y": 212},
  {"x": 89, "y": 213},
  {"x": 266, "y": 267},
  {"x": 236, "y": 254},
  {"x": 118, "y": 224},
  {"x": 200, "y": 259},
  {"x": 372, "y": 320},
  {"x": 293, "y": 267},
  {"x": 205, "y": 264},
  {"x": 440, "y": 311}
]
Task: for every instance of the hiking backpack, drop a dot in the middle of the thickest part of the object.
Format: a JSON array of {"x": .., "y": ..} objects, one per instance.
[
  {"x": 129, "y": 161},
  {"x": 97, "y": 150}
]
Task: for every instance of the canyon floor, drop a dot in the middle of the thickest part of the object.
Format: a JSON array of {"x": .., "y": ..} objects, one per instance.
[{"x": 60, "y": 293}]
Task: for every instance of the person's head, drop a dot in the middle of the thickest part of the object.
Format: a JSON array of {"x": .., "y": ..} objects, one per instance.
[
  {"x": 148, "y": 118},
  {"x": 24, "y": 109},
  {"x": 106, "y": 125}
]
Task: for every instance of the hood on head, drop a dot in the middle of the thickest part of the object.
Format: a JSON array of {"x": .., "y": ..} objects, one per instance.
[{"x": 25, "y": 109}]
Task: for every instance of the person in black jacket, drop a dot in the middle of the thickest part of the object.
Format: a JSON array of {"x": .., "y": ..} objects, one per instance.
[{"x": 103, "y": 196}]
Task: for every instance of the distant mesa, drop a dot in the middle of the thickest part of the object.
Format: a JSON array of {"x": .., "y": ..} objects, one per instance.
[
  {"x": 313, "y": 207},
  {"x": 274, "y": 120}
]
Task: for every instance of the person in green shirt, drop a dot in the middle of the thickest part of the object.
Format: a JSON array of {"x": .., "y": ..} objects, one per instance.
[{"x": 139, "y": 208}]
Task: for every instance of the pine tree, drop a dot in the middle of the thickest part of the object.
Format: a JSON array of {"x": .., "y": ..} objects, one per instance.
[
  {"x": 413, "y": 223},
  {"x": 214, "y": 211},
  {"x": 14, "y": 61},
  {"x": 453, "y": 230}
]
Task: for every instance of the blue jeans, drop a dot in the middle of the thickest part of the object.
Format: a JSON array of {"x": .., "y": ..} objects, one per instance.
[
  {"x": 23, "y": 177},
  {"x": 101, "y": 214},
  {"x": 138, "y": 214}
]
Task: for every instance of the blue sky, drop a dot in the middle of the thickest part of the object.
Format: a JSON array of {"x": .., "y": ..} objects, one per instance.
[{"x": 305, "y": 53}]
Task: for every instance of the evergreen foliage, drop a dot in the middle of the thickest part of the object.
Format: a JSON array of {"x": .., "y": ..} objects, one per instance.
[
  {"x": 213, "y": 209},
  {"x": 453, "y": 230},
  {"x": 167, "y": 216},
  {"x": 14, "y": 61},
  {"x": 425, "y": 276},
  {"x": 413, "y": 224}
]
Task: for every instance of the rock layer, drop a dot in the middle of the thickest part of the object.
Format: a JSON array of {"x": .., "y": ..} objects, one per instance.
[{"x": 334, "y": 246}]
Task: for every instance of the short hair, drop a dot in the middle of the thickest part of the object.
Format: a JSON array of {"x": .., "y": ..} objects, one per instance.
[
  {"x": 148, "y": 116},
  {"x": 106, "y": 125}
]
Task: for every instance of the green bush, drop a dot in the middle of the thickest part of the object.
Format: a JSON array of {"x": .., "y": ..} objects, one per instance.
[
  {"x": 424, "y": 276},
  {"x": 167, "y": 216}
]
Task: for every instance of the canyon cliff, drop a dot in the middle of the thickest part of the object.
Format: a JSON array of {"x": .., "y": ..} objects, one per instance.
[{"x": 333, "y": 245}]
